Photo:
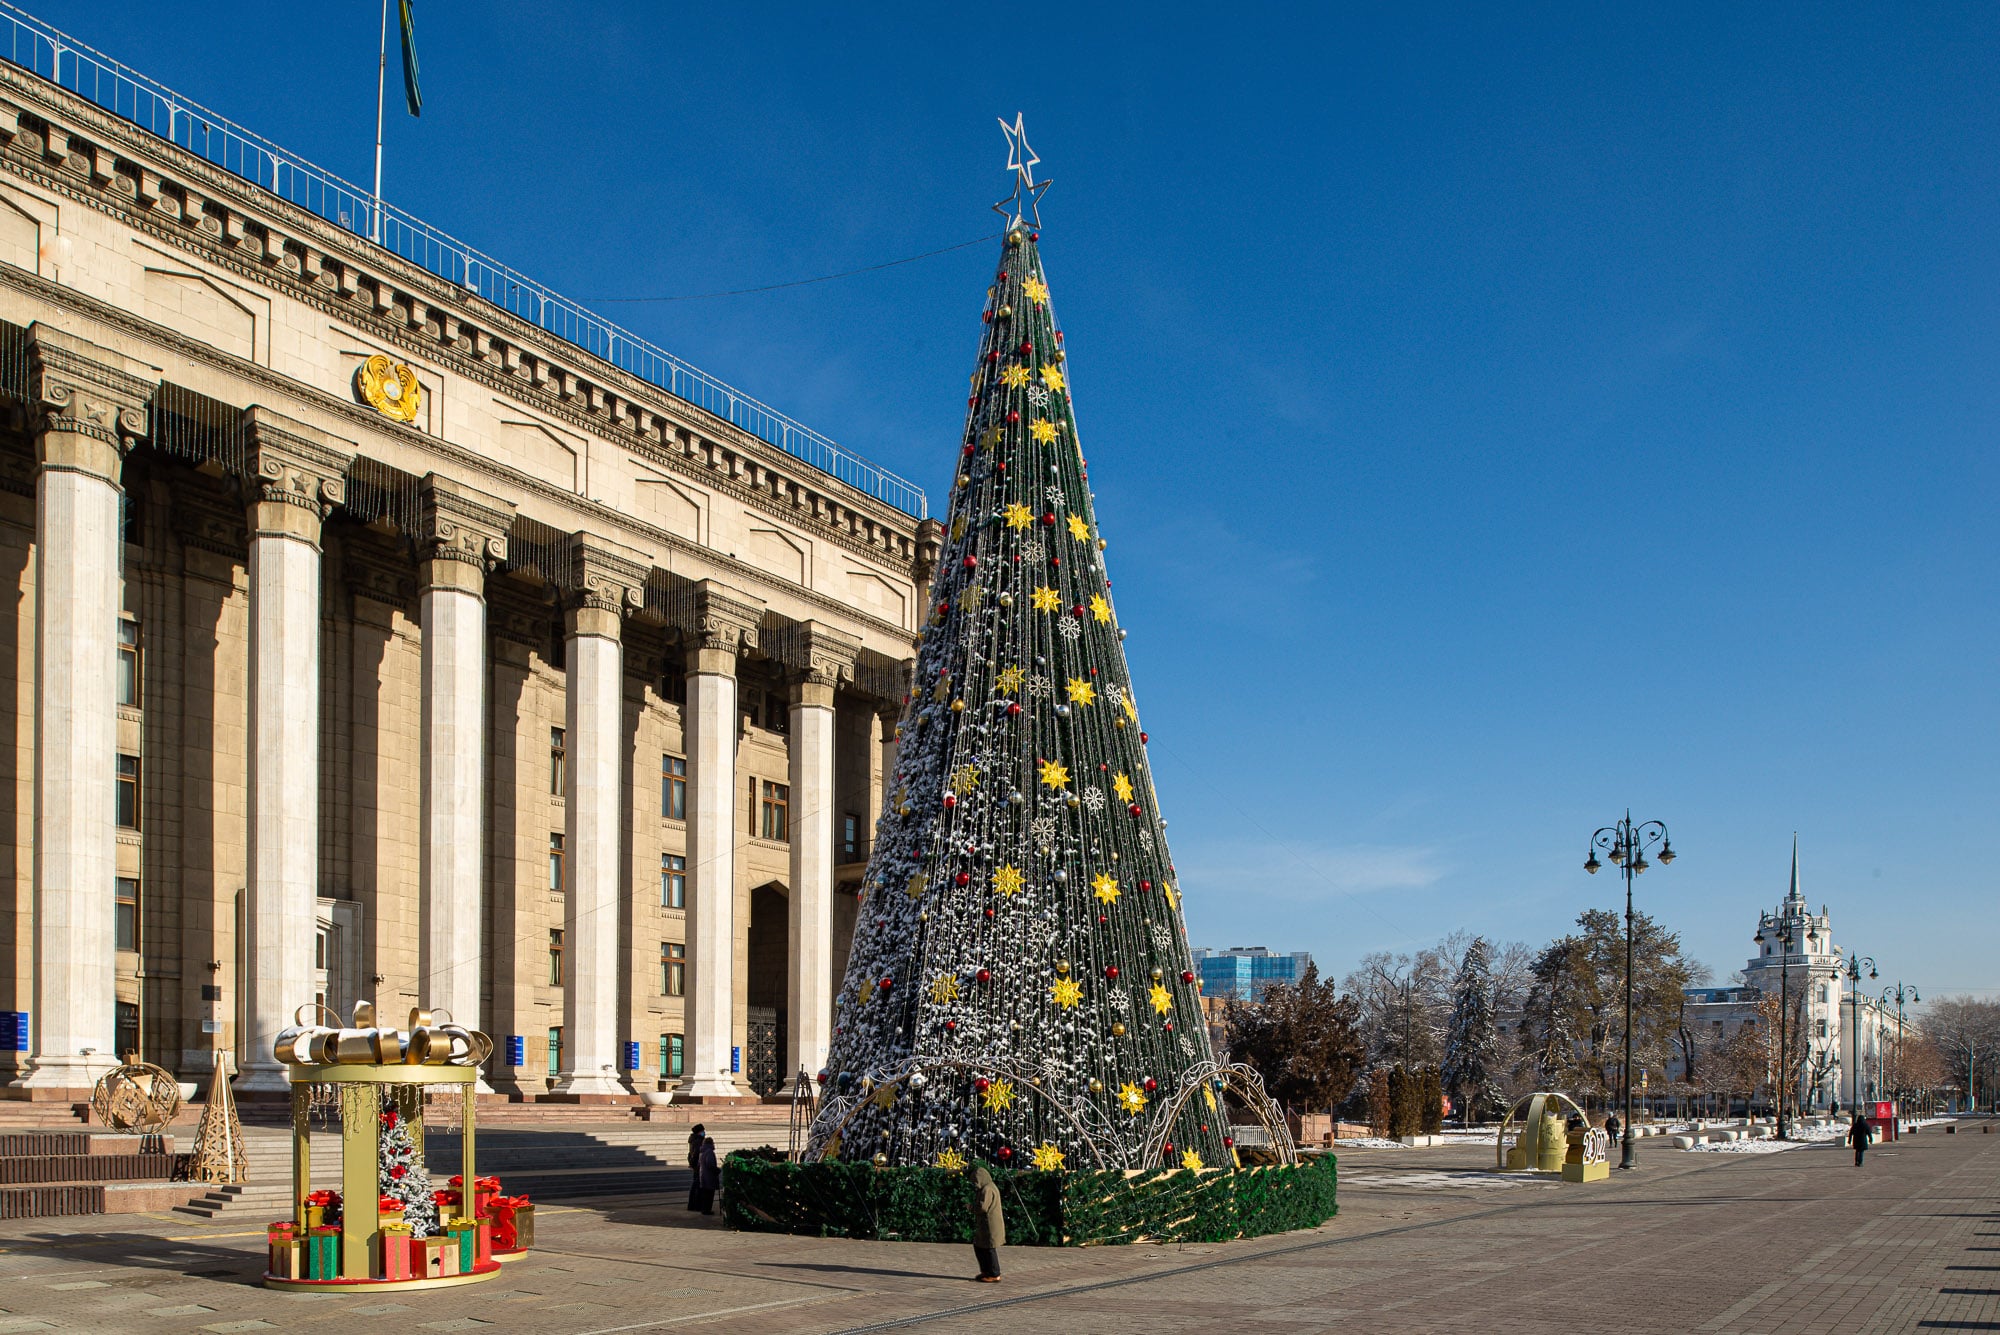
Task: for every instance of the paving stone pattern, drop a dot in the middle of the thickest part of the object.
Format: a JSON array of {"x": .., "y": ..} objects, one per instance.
[{"x": 1427, "y": 1240}]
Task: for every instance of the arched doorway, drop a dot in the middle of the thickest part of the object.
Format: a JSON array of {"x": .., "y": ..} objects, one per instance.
[{"x": 767, "y": 977}]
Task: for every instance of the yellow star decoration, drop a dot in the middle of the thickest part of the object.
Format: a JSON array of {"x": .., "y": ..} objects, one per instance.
[
  {"x": 885, "y": 1097},
  {"x": 944, "y": 988},
  {"x": 866, "y": 990},
  {"x": 1052, "y": 377},
  {"x": 1014, "y": 377},
  {"x": 1163, "y": 1000},
  {"x": 1065, "y": 992},
  {"x": 1048, "y": 1158},
  {"x": 1121, "y": 784},
  {"x": 1036, "y": 289},
  {"x": 958, "y": 528},
  {"x": 1131, "y": 1098},
  {"x": 1042, "y": 430},
  {"x": 916, "y": 886},
  {"x": 1007, "y": 880},
  {"x": 1009, "y": 680},
  {"x": 1131, "y": 710},
  {"x": 999, "y": 1096},
  {"x": 1191, "y": 1161},
  {"x": 1081, "y": 692},
  {"x": 1208, "y": 1094},
  {"x": 1173, "y": 897},
  {"x": 1099, "y": 608},
  {"x": 1054, "y": 775},
  {"x": 975, "y": 594},
  {"x": 950, "y": 1160},
  {"x": 1105, "y": 887},
  {"x": 1018, "y": 515},
  {"x": 990, "y": 437},
  {"x": 1046, "y": 598},
  {"x": 1078, "y": 529},
  {"x": 965, "y": 780}
]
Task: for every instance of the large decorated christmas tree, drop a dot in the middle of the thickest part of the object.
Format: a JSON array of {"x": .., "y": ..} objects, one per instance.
[{"x": 1020, "y": 988}]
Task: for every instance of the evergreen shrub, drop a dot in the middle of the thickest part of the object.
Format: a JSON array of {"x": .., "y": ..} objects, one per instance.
[{"x": 1066, "y": 1209}]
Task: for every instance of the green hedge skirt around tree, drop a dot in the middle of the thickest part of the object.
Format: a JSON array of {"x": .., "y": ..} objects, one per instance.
[{"x": 1069, "y": 1209}]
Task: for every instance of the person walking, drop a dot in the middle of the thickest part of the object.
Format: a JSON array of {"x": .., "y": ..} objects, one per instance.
[
  {"x": 989, "y": 1224},
  {"x": 1858, "y": 1136},
  {"x": 707, "y": 1177},
  {"x": 1612, "y": 1128}
]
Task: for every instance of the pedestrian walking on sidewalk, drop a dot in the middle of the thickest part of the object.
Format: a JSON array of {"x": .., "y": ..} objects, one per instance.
[
  {"x": 1858, "y": 1136},
  {"x": 989, "y": 1224}
]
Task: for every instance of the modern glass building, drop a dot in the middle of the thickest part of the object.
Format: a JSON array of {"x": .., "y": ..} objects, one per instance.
[{"x": 1245, "y": 973}]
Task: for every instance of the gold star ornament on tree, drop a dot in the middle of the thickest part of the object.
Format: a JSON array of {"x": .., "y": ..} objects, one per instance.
[
  {"x": 1065, "y": 992},
  {"x": 1008, "y": 880},
  {"x": 1018, "y": 515},
  {"x": 1014, "y": 377},
  {"x": 1191, "y": 1161},
  {"x": 1105, "y": 887},
  {"x": 1054, "y": 775},
  {"x": 1042, "y": 430},
  {"x": 1099, "y": 608},
  {"x": 1047, "y": 1157},
  {"x": 1162, "y": 999},
  {"x": 998, "y": 1097},
  {"x": 1078, "y": 529},
  {"x": 1052, "y": 377},
  {"x": 1131, "y": 1099},
  {"x": 1121, "y": 784},
  {"x": 950, "y": 1160},
  {"x": 1081, "y": 692},
  {"x": 1009, "y": 681},
  {"x": 1046, "y": 599},
  {"x": 1037, "y": 290}
]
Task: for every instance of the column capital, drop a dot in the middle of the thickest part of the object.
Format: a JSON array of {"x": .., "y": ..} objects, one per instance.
[
  {"x": 88, "y": 403},
  {"x": 726, "y": 621},
  {"x": 825, "y": 659},
  {"x": 293, "y": 465},
  {"x": 462, "y": 526},
  {"x": 606, "y": 582}
]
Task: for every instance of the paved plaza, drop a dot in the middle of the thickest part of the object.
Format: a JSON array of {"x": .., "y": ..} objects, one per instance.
[{"x": 1425, "y": 1241}]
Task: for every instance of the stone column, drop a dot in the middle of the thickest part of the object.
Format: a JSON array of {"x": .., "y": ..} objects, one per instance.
[
  {"x": 464, "y": 535},
  {"x": 297, "y": 476},
  {"x": 607, "y": 581},
  {"x": 813, "y": 972},
  {"x": 88, "y": 406},
  {"x": 725, "y": 626}
]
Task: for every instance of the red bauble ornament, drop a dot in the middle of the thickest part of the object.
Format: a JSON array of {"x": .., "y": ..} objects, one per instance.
[
  {"x": 1170, "y": 1147},
  {"x": 963, "y": 878},
  {"x": 886, "y": 983},
  {"x": 1187, "y": 975},
  {"x": 1077, "y": 611},
  {"x": 950, "y": 801},
  {"x": 1110, "y": 971},
  {"x": 1134, "y": 808},
  {"x": 1093, "y": 672},
  {"x": 1026, "y": 347},
  {"x": 1170, "y": 1026},
  {"x": 970, "y": 562},
  {"x": 1006, "y": 1153},
  {"x": 1143, "y": 739},
  {"x": 1013, "y": 417},
  {"x": 986, "y": 317},
  {"x": 993, "y": 356},
  {"x": 967, "y": 451},
  {"x": 1228, "y": 1142},
  {"x": 1003, "y": 275},
  {"x": 823, "y": 1077},
  {"x": 989, "y": 913},
  {"x": 1037, "y": 236},
  {"x": 1055, "y": 560},
  {"x": 1049, "y": 519},
  {"x": 984, "y": 975},
  {"x": 1151, "y": 1084},
  {"x": 1145, "y": 885},
  {"x": 1013, "y": 709},
  {"x": 942, "y": 608},
  {"x": 951, "y": 1026},
  {"x": 1101, "y": 920},
  {"x": 982, "y": 1084},
  {"x": 1001, "y": 466}
]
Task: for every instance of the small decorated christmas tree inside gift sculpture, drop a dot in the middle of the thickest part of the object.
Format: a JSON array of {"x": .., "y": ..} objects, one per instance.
[
  {"x": 402, "y": 1173},
  {"x": 1020, "y": 988}
]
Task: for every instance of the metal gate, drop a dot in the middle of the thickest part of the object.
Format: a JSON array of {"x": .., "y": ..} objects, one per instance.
[{"x": 764, "y": 1063}]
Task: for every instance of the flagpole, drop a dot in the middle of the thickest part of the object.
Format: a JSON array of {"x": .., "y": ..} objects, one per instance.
[{"x": 381, "y": 77}]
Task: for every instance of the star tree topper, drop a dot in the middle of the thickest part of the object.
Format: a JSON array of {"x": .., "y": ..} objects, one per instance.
[{"x": 1021, "y": 161}]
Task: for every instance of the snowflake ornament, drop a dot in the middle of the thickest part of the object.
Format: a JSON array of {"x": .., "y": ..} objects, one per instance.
[
  {"x": 1069, "y": 629},
  {"x": 1094, "y": 799}
]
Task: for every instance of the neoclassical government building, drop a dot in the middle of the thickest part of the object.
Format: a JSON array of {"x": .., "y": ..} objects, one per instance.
[{"x": 386, "y": 629}]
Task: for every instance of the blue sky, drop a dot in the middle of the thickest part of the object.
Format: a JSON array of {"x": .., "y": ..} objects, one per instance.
[{"x": 1497, "y": 421}]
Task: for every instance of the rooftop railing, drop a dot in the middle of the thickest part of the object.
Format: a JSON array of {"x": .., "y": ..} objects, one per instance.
[{"x": 62, "y": 60}]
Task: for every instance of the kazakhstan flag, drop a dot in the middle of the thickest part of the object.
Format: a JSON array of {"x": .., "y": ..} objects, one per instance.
[{"x": 410, "y": 89}]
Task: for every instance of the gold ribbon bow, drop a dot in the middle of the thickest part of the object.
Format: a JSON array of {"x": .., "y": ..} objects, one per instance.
[{"x": 431, "y": 1040}]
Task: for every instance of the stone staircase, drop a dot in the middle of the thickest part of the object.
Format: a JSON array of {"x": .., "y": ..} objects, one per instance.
[
  {"x": 550, "y": 1159},
  {"x": 50, "y": 1173}
]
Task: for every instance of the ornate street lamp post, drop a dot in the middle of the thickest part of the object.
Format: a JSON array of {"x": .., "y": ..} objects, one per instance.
[
  {"x": 1626, "y": 844},
  {"x": 1899, "y": 994},
  {"x": 1854, "y": 967},
  {"x": 1785, "y": 931}
]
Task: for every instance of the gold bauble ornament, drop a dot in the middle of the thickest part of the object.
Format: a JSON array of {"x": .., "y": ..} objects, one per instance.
[
  {"x": 1005, "y": 312},
  {"x": 1014, "y": 237},
  {"x": 1059, "y": 355},
  {"x": 1062, "y": 966},
  {"x": 1096, "y": 1085},
  {"x": 958, "y": 706},
  {"x": 1118, "y": 1029},
  {"x": 1157, "y": 975}
]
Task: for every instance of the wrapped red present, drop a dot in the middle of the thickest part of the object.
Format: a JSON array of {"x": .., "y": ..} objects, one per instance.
[
  {"x": 447, "y": 1203},
  {"x": 322, "y": 1208},
  {"x": 394, "y": 1259},
  {"x": 513, "y": 1220},
  {"x": 484, "y": 1190},
  {"x": 391, "y": 1205},
  {"x": 287, "y": 1247}
]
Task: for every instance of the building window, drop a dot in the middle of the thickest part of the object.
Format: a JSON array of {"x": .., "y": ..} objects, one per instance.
[
  {"x": 558, "y": 762},
  {"x": 555, "y": 956},
  {"x": 673, "y": 788},
  {"x": 850, "y": 837},
  {"x": 555, "y": 1049},
  {"x": 670, "y": 1054},
  {"x": 777, "y": 713},
  {"x": 673, "y": 969},
  {"x": 673, "y": 881},
  {"x": 555, "y": 863},
  {"x": 127, "y": 912},
  {"x": 776, "y": 822},
  {"x": 128, "y": 792},
  {"x": 128, "y": 663},
  {"x": 126, "y": 1018}
]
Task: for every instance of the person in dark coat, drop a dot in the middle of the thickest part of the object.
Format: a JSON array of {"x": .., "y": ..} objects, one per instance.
[
  {"x": 1612, "y": 1126},
  {"x": 1858, "y": 1136},
  {"x": 707, "y": 1177},
  {"x": 989, "y": 1224}
]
